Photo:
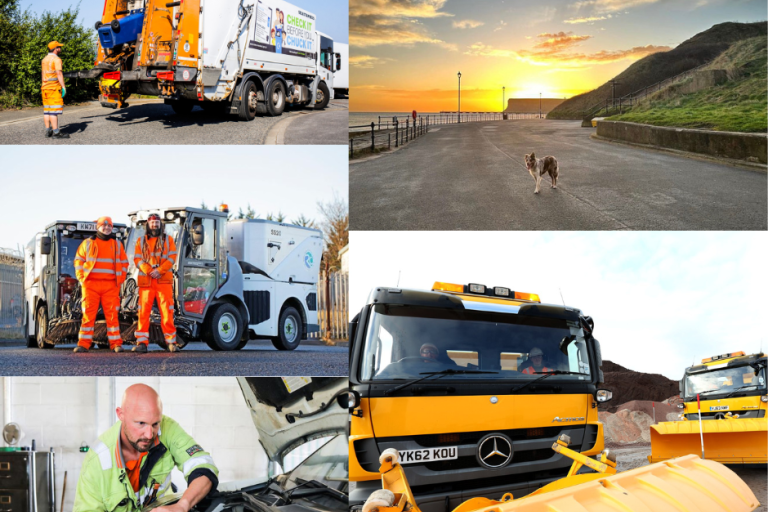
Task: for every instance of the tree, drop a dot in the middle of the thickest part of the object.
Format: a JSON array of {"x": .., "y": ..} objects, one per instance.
[
  {"x": 278, "y": 217},
  {"x": 335, "y": 227},
  {"x": 304, "y": 222},
  {"x": 248, "y": 214}
]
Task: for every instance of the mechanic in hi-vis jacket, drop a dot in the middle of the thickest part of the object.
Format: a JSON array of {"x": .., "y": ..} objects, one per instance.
[{"x": 130, "y": 466}]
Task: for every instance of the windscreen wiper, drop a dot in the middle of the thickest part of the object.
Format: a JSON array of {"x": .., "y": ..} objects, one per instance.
[
  {"x": 738, "y": 389},
  {"x": 320, "y": 488},
  {"x": 548, "y": 374},
  {"x": 440, "y": 374}
]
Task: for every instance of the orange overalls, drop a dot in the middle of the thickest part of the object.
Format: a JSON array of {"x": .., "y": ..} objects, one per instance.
[
  {"x": 53, "y": 104},
  {"x": 530, "y": 370},
  {"x": 100, "y": 266},
  {"x": 151, "y": 255}
]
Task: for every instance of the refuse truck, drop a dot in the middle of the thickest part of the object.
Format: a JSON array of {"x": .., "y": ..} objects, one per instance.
[
  {"x": 234, "y": 281},
  {"x": 723, "y": 418},
  {"x": 472, "y": 385},
  {"x": 51, "y": 290},
  {"x": 684, "y": 483},
  {"x": 341, "y": 75},
  {"x": 245, "y": 57}
]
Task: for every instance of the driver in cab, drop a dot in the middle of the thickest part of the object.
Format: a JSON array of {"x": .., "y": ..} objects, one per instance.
[{"x": 536, "y": 357}]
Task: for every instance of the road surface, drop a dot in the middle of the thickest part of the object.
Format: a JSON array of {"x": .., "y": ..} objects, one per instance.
[
  {"x": 257, "y": 358},
  {"x": 473, "y": 177},
  {"x": 152, "y": 122}
]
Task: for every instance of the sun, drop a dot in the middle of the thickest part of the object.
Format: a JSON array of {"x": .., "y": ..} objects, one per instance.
[{"x": 532, "y": 90}]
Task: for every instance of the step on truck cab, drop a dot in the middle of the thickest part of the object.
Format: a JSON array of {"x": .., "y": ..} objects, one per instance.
[
  {"x": 234, "y": 280},
  {"x": 245, "y": 57},
  {"x": 51, "y": 291},
  {"x": 730, "y": 393},
  {"x": 472, "y": 385}
]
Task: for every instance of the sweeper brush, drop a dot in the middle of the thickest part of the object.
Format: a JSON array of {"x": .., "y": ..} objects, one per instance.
[{"x": 684, "y": 484}]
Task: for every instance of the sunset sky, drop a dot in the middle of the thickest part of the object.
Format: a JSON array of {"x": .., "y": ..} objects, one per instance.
[{"x": 406, "y": 53}]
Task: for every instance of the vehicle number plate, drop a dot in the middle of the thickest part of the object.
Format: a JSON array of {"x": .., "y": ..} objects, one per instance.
[
  {"x": 428, "y": 455},
  {"x": 86, "y": 226},
  {"x": 719, "y": 408}
]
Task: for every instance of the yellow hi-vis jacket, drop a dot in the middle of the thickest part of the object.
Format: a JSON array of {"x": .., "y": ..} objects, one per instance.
[{"x": 104, "y": 483}]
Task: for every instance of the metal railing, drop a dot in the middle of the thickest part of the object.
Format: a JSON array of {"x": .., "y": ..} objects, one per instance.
[
  {"x": 11, "y": 293},
  {"x": 631, "y": 99},
  {"x": 333, "y": 307},
  {"x": 398, "y": 130}
]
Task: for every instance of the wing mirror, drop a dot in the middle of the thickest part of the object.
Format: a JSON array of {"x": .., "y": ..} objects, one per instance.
[
  {"x": 565, "y": 342},
  {"x": 349, "y": 400},
  {"x": 45, "y": 245},
  {"x": 338, "y": 61},
  {"x": 603, "y": 395},
  {"x": 198, "y": 234}
]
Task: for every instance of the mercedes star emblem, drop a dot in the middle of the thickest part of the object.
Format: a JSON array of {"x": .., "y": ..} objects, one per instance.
[{"x": 494, "y": 451}]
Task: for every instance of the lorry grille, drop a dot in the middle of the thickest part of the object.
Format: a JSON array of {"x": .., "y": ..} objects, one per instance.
[
  {"x": 257, "y": 303},
  {"x": 437, "y": 440}
]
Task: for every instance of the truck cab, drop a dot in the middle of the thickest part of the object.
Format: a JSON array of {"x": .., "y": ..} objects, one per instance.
[
  {"x": 472, "y": 385},
  {"x": 52, "y": 292}
]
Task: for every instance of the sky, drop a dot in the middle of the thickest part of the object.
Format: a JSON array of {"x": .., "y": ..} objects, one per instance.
[
  {"x": 661, "y": 301},
  {"x": 331, "y": 14},
  {"x": 86, "y": 182},
  {"x": 406, "y": 53}
]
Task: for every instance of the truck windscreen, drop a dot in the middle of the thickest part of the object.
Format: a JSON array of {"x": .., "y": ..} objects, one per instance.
[
  {"x": 172, "y": 229},
  {"x": 724, "y": 381},
  {"x": 68, "y": 246},
  {"x": 404, "y": 342}
]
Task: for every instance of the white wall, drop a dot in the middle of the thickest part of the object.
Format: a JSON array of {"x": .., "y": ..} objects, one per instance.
[{"x": 61, "y": 412}]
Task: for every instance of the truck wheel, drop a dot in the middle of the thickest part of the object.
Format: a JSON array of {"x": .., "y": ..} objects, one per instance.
[
  {"x": 323, "y": 96},
  {"x": 247, "y": 109},
  {"x": 289, "y": 330},
  {"x": 224, "y": 328},
  {"x": 182, "y": 108},
  {"x": 98, "y": 25},
  {"x": 275, "y": 98},
  {"x": 42, "y": 328},
  {"x": 115, "y": 25}
]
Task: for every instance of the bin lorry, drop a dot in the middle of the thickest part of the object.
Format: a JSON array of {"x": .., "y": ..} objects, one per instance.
[
  {"x": 472, "y": 385},
  {"x": 341, "y": 75},
  {"x": 51, "y": 290},
  {"x": 246, "y": 57},
  {"x": 723, "y": 418},
  {"x": 233, "y": 281}
]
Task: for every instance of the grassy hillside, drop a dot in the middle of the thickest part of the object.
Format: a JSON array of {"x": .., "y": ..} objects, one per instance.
[
  {"x": 698, "y": 50},
  {"x": 739, "y": 105}
]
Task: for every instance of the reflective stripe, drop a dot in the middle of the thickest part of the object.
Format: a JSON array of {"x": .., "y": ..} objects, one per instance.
[
  {"x": 165, "y": 485},
  {"x": 170, "y": 335},
  {"x": 86, "y": 336},
  {"x": 137, "y": 333},
  {"x": 113, "y": 337},
  {"x": 171, "y": 308},
  {"x": 52, "y": 79},
  {"x": 104, "y": 260},
  {"x": 79, "y": 258},
  {"x": 103, "y": 271},
  {"x": 104, "y": 456},
  {"x": 113, "y": 329},
  {"x": 171, "y": 252},
  {"x": 86, "y": 328},
  {"x": 196, "y": 461}
]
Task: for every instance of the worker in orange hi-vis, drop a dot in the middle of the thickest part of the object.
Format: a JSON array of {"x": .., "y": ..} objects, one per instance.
[
  {"x": 154, "y": 257},
  {"x": 101, "y": 266},
  {"x": 53, "y": 90}
]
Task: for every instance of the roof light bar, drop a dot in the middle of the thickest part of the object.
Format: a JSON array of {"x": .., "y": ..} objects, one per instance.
[
  {"x": 481, "y": 289},
  {"x": 722, "y": 356}
]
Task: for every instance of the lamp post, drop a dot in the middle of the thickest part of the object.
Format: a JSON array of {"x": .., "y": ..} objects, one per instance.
[
  {"x": 459, "y": 96},
  {"x": 539, "y": 105},
  {"x": 503, "y": 97}
]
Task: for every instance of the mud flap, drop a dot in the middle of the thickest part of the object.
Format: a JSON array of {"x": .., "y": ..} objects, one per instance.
[{"x": 729, "y": 441}]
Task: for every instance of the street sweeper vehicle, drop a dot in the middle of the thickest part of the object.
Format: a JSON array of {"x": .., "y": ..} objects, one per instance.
[
  {"x": 472, "y": 385},
  {"x": 685, "y": 483},
  {"x": 233, "y": 281},
  {"x": 724, "y": 418},
  {"x": 245, "y": 57},
  {"x": 341, "y": 73},
  {"x": 51, "y": 291}
]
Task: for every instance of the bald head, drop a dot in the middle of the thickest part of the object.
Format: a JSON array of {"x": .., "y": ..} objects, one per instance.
[{"x": 140, "y": 413}]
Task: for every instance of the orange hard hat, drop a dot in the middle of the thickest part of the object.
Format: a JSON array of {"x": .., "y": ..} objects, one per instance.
[
  {"x": 104, "y": 220},
  {"x": 54, "y": 44}
]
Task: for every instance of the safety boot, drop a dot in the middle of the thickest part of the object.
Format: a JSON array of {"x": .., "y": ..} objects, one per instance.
[
  {"x": 79, "y": 349},
  {"x": 48, "y": 132},
  {"x": 173, "y": 347},
  {"x": 140, "y": 348},
  {"x": 60, "y": 135},
  {"x": 118, "y": 349}
]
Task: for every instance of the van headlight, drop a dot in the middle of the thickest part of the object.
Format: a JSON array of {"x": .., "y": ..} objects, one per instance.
[{"x": 764, "y": 398}]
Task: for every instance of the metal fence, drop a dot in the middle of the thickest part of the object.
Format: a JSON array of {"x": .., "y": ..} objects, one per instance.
[
  {"x": 333, "y": 306},
  {"x": 398, "y": 130},
  {"x": 11, "y": 293}
]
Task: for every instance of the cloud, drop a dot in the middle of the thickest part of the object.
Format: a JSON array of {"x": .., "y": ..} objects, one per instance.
[
  {"x": 502, "y": 24},
  {"x": 467, "y": 24},
  {"x": 590, "y": 19},
  {"x": 553, "y": 43},
  {"x": 395, "y": 22},
  {"x": 367, "y": 61},
  {"x": 605, "y": 6}
]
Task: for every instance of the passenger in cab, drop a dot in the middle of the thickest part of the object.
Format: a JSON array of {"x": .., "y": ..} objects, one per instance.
[{"x": 536, "y": 357}]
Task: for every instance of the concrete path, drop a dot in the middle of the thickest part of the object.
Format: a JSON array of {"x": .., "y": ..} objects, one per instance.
[
  {"x": 473, "y": 177},
  {"x": 327, "y": 127}
]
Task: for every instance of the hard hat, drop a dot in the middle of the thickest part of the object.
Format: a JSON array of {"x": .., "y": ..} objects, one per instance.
[
  {"x": 536, "y": 352},
  {"x": 54, "y": 44},
  {"x": 104, "y": 220}
]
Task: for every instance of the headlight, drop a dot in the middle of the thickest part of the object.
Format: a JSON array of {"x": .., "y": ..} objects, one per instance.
[
  {"x": 680, "y": 406},
  {"x": 603, "y": 395},
  {"x": 764, "y": 398}
]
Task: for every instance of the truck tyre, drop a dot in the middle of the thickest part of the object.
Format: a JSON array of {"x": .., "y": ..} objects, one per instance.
[
  {"x": 289, "y": 330},
  {"x": 182, "y": 108},
  {"x": 115, "y": 25},
  {"x": 323, "y": 96},
  {"x": 42, "y": 328},
  {"x": 224, "y": 328},
  {"x": 247, "y": 109},
  {"x": 98, "y": 25},
  {"x": 275, "y": 98}
]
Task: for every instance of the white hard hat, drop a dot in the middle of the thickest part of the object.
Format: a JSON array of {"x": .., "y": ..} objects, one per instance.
[{"x": 536, "y": 352}]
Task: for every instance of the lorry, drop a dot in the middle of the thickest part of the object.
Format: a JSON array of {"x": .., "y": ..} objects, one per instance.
[
  {"x": 51, "y": 291},
  {"x": 341, "y": 75},
  {"x": 448, "y": 378},
  {"x": 723, "y": 418},
  {"x": 233, "y": 281},
  {"x": 245, "y": 57}
]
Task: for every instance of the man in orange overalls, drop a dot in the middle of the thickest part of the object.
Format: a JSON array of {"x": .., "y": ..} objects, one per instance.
[
  {"x": 101, "y": 266},
  {"x": 154, "y": 257},
  {"x": 537, "y": 360},
  {"x": 53, "y": 90}
]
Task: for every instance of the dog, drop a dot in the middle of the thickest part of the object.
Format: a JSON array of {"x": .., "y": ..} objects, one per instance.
[{"x": 538, "y": 167}]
